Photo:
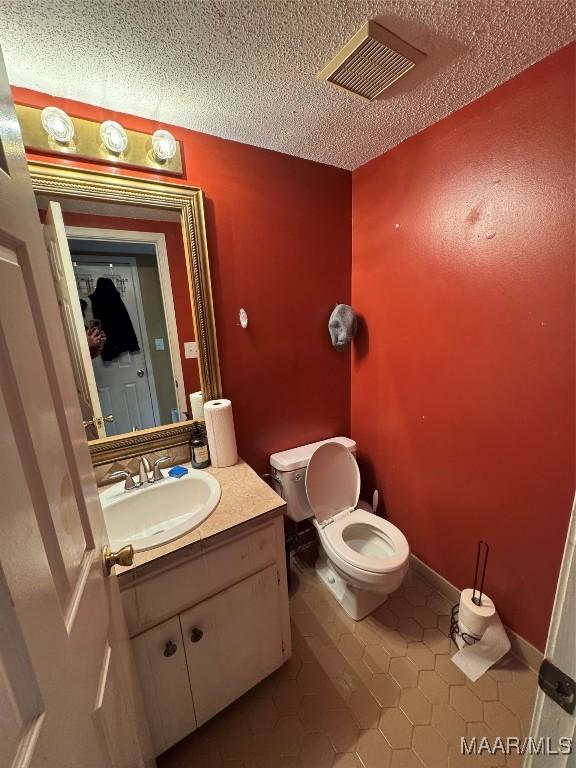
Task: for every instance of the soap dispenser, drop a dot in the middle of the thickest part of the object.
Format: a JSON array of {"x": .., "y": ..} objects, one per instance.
[{"x": 199, "y": 453}]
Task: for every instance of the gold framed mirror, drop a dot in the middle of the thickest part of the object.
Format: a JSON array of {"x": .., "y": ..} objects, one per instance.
[{"x": 75, "y": 187}]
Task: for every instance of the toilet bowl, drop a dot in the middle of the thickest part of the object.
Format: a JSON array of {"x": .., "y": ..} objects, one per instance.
[{"x": 363, "y": 558}]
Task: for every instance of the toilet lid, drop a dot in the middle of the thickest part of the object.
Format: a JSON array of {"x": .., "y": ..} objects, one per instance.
[{"x": 332, "y": 481}]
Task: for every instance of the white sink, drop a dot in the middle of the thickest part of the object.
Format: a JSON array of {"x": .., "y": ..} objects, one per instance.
[{"x": 159, "y": 512}]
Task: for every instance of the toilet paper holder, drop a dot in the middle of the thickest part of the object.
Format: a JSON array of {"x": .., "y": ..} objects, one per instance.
[{"x": 482, "y": 553}]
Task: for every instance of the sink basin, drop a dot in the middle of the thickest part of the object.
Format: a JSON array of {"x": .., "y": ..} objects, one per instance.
[{"x": 160, "y": 512}]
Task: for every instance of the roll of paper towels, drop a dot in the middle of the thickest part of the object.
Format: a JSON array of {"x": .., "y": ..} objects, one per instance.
[
  {"x": 475, "y": 618},
  {"x": 220, "y": 433},
  {"x": 197, "y": 405}
]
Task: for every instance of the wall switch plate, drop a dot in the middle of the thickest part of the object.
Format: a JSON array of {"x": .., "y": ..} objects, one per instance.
[
  {"x": 190, "y": 349},
  {"x": 159, "y": 344}
]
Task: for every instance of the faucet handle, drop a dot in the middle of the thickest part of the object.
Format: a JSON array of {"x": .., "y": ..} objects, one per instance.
[
  {"x": 157, "y": 475},
  {"x": 122, "y": 474}
]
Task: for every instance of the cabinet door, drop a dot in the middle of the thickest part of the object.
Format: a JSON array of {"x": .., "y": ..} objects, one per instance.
[
  {"x": 233, "y": 641},
  {"x": 167, "y": 697}
]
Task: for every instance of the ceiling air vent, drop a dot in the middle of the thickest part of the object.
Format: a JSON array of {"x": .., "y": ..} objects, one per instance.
[{"x": 371, "y": 61}]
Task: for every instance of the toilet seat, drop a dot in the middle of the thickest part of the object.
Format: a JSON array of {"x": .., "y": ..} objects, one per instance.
[
  {"x": 360, "y": 543},
  {"x": 367, "y": 542}
]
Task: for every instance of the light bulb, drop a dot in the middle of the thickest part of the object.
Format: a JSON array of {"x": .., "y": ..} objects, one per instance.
[
  {"x": 114, "y": 136},
  {"x": 57, "y": 124},
  {"x": 163, "y": 145}
]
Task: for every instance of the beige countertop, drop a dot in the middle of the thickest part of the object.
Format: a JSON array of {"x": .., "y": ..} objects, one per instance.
[{"x": 244, "y": 498}]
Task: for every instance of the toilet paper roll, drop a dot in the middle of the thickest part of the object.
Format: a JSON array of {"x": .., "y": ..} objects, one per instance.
[
  {"x": 197, "y": 405},
  {"x": 475, "y": 618},
  {"x": 476, "y": 659},
  {"x": 220, "y": 433}
]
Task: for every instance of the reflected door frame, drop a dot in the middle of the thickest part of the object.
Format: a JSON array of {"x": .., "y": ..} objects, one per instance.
[{"x": 159, "y": 241}]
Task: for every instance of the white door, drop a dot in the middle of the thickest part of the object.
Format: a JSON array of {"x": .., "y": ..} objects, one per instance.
[
  {"x": 551, "y": 723},
  {"x": 126, "y": 384},
  {"x": 63, "y": 274},
  {"x": 67, "y": 684}
]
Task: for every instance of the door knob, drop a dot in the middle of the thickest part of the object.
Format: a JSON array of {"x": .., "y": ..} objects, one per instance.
[
  {"x": 170, "y": 649},
  {"x": 196, "y": 635},
  {"x": 88, "y": 423},
  {"x": 124, "y": 556},
  {"x": 110, "y": 417},
  {"x": 140, "y": 372}
]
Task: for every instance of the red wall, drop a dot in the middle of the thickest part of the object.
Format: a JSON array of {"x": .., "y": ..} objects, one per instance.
[
  {"x": 463, "y": 376},
  {"x": 279, "y": 241}
]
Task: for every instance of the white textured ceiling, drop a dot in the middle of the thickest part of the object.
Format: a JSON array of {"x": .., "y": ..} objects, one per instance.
[{"x": 247, "y": 70}]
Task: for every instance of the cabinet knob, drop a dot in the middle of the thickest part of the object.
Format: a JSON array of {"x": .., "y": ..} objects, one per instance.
[
  {"x": 170, "y": 649},
  {"x": 196, "y": 635}
]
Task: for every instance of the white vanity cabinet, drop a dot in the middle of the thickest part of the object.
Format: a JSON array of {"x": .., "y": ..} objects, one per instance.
[{"x": 228, "y": 627}]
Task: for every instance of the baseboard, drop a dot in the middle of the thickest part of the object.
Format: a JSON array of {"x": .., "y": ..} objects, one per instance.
[{"x": 522, "y": 649}]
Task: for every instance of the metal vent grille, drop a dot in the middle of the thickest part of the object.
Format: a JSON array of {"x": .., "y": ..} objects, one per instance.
[{"x": 371, "y": 61}]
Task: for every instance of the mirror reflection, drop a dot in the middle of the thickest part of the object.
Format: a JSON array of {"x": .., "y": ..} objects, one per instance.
[{"x": 126, "y": 312}]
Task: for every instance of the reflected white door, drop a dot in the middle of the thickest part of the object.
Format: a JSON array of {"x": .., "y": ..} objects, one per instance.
[
  {"x": 125, "y": 385},
  {"x": 68, "y": 696}
]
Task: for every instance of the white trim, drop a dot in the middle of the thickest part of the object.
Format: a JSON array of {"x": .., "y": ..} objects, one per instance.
[
  {"x": 548, "y": 718},
  {"x": 157, "y": 239},
  {"x": 522, "y": 649}
]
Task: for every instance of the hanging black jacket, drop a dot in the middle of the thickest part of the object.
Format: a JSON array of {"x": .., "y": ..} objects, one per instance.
[{"x": 108, "y": 307}]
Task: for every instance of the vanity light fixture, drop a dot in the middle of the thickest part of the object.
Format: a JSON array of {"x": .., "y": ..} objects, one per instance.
[
  {"x": 58, "y": 125},
  {"x": 163, "y": 145},
  {"x": 114, "y": 137}
]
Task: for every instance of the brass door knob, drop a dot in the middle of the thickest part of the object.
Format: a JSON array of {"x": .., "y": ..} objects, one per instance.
[
  {"x": 196, "y": 635},
  {"x": 124, "y": 556},
  {"x": 170, "y": 649}
]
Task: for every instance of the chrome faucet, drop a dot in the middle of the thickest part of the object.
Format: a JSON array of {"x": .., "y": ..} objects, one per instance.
[
  {"x": 143, "y": 471},
  {"x": 143, "y": 477}
]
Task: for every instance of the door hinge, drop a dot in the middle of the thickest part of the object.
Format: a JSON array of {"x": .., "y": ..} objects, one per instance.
[{"x": 557, "y": 685}]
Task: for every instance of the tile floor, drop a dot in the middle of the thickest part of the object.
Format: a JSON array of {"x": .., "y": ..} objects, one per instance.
[{"x": 379, "y": 693}]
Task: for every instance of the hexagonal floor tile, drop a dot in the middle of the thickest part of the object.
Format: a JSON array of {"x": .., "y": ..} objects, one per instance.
[
  {"x": 425, "y": 616},
  {"x": 316, "y": 751},
  {"x": 449, "y": 672},
  {"x": 404, "y": 672},
  {"x": 499, "y": 718},
  {"x": 385, "y": 690},
  {"x": 405, "y": 758},
  {"x": 421, "y": 656},
  {"x": 396, "y": 727},
  {"x": 342, "y": 731},
  {"x": 376, "y": 658},
  {"x": 433, "y": 687},
  {"x": 394, "y": 642},
  {"x": 399, "y": 605},
  {"x": 409, "y": 629},
  {"x": 287, "y": 697},
  {"x": 416, "y": 706},
  {"x": 430, "y": 747},
  {"x": 436, "y": 641},
  {"x": 468, "y": 706},
  {"x": 448, "y": 723},
  {"x": 439, "y": 605},
  {"x": 373, "y": 749},
  {"x": 350, "y": 647},
  {"x": 364, "y": 708}
]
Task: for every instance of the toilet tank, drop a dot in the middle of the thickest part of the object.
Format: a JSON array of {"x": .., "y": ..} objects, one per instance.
[{"x": 289, "y": 468}]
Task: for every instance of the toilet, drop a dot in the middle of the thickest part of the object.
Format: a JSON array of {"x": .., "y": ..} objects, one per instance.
[{"x": 363, "y": 558}]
